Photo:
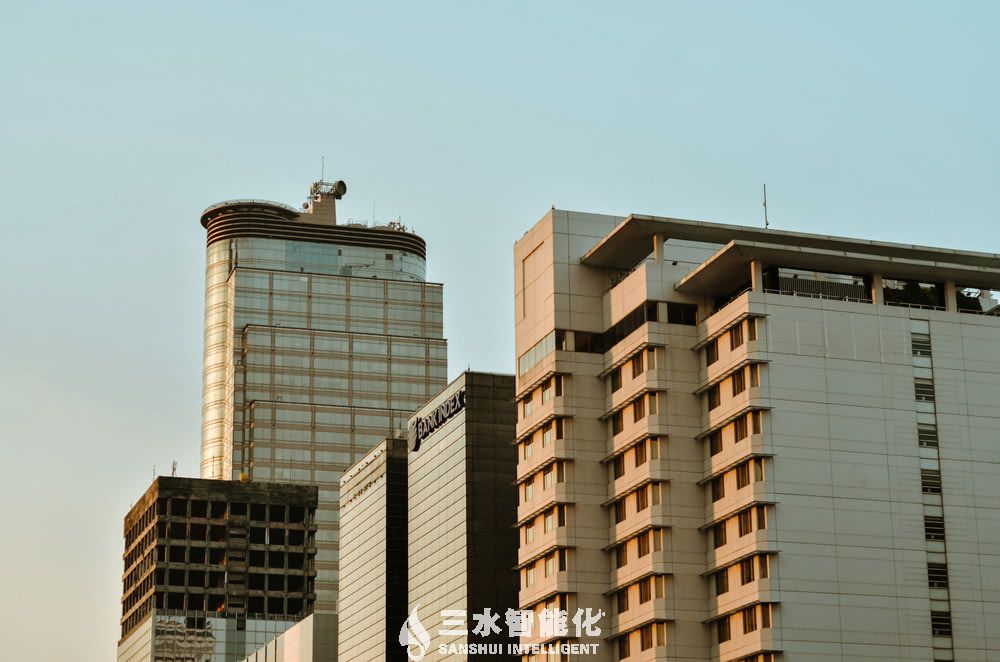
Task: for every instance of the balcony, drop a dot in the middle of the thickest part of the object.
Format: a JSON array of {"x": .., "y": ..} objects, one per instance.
[
  {"x": 737, "y": 500},
  {"x": 652, "y": 515},
  {"x": 733, "y": 452}
]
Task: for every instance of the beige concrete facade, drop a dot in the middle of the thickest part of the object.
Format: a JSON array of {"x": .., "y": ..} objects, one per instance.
[{"x": 749, "y": 444}]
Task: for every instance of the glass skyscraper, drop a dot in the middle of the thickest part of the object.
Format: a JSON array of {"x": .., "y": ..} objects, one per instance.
[{"x": 320, "y": 340}]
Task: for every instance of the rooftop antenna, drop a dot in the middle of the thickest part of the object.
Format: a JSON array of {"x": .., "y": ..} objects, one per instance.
[
  {"x": 322, "y": 167},
  {"x": 766, "y": 223},
  {"x": 173, "y": 468}
]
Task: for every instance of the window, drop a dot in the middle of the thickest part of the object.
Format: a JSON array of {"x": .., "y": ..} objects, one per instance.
[
  {"x": 718, "y": 488},
  {"x": 941, "y": 623},
  {"x": 933, "y": 527},
  {"x": 561, "y": 555},
  {"x": 654, "y": 489},
  {"x": 559, "y": 428},
  {"x": 623, "y": 650},
  {"x": 642, "y": 498},
  {"x": 758, "y": 469},
  {"x": 682, "y": 313},
  {"x": 651, "y": 358},
  {"x": 560, "y": 472},
  {"x": 740, "y": 428},
  {"x": 529, "y": 532},
  {"x": 711, "y": 352},
  {"x": 755, "y": 375},
  {"x": 764, "y": 566},
  {"x": 621, "y": 555},
  {"x": 637, "y": 366},
  {"x": 745, "y": 522},
  {"x": 617, "y": 423},
  {"x": 619, "y": 511},
  {"x": 761, "y": 517},
  {"x": 930, "y": 481},
  {"x": 547, "y": 435},
  {"x": 657, "y": 536},
  {"x": 920, "y": 344},
  {"x": 739, "y": 382},
  {"x": 927, "y": 435},
  {"x": 527, "y": 449},
  {"x": 652, "y": 403},
  {"x": 639, "y": 410},
  {"x": 547, "y": 391},
  {"x": 645, "y": 590},
  {"x": 654, "y": 447},
  {"x": 640, "y": 454},
  {"x": 526, "y": 405},
  {"x": 746, "y": 571},
  {"x": 529, "y": 489},
  {"x": 755, "y": 418},
  {"x": 749, "y": 619},
  {"x": 752, "y": 328},
  {"x": 561, "y": 512},
  {"x": 549, "y": 521},
  {"x": 721, "y": 581},
  {"x": 765, "y": 621},
  {"x": 719, "y": 535},
  {"x": 924, "y": 390},
  {"x": 622, "y": 601},
  {"x": 642, "y": 542},
  {"x": 529, "y": 575},
  {"x": 736, "y": 336},
  {"x": 722, "y": 629},
  {"x": 550, "y": 565},
  {"x": 715, "y": 442},
  {"x": 742, "y": 475},
  {"x": 619, "y": 466},
  {"x": 559, "y": 385},
  {"x": 661, "y": 634},
  {"x": 616, "y": 379},
  {"x": 646, "y": 637},
  {"x": 937, "y": 575},
  {"x": 714, "y": 399},
  {"x": 547, "y": 478}
]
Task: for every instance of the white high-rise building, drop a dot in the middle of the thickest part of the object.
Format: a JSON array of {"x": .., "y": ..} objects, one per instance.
[{"x": 765, "y": 445}]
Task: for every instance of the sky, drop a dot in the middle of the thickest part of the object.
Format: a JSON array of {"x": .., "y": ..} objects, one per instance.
[{"x": 121, "y": 121}]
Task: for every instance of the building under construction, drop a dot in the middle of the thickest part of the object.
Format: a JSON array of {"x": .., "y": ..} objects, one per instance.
[{"x": 213, "y": 569}]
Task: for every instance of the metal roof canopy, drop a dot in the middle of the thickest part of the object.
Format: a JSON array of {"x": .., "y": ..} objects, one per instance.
[
  {"x": 631, "y": 242},
  {"x": 730, "y": 266}
]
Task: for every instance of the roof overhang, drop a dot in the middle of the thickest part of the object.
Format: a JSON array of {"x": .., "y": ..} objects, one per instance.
[
  {"x": 730, "y": 266},
  {"x": 632, "y": 241}
]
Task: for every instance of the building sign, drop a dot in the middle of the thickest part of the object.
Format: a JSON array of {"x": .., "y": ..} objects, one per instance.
[{"x": 424, "y": 427}]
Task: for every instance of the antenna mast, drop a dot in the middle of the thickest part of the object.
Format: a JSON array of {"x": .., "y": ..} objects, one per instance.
[
  {"x": 766, "y": 223},
  {"x": 322, "y": 167}
]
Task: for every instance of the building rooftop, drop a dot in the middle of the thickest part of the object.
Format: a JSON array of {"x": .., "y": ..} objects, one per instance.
[{"x": 631, "y": 242}]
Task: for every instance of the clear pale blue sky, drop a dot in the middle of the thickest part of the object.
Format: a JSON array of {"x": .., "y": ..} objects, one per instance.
[{"x": 121, "y": 121}]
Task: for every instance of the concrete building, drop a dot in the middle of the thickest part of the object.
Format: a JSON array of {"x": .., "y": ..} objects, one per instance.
[
  {"x": 461, "y": 503},
  {"x": 320, "y": 340},
  {"x": 373, "y": 555},
  {"x": 215, "y": 569},
  {"x": 750, "y": 444},
  {"x": 313, "y": 639}
]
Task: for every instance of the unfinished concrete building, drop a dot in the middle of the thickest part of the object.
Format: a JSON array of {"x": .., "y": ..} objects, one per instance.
[{"x": 215, "y": 569}]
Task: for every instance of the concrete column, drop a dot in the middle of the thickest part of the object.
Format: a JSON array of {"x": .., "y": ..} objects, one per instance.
[
  {"x": 878, "y": 296},
  {"x": 950, "y": 296},
  {"x": 756, "y": 276},
  {"x": 657, "y": 247}
]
